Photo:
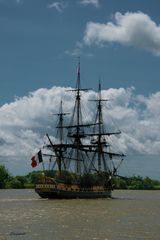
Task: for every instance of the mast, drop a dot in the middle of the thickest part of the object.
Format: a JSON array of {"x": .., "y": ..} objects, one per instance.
[
  {"x": 60, "y": 150},
  {"x": 100, "y": 121},
  {"x": 76, "y": 128},
  {"x": 60, "y": 147},
  {"x": 77, "y": 132},
  {"x": 100, "y": 142},
  {"x": 78, "y": 139}
]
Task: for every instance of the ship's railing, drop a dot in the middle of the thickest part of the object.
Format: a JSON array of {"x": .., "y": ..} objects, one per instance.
[{"x": 75, "y": 188}]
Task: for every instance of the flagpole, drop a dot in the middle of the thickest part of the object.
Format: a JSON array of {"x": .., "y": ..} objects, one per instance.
[{"x": 42, "y": 161}]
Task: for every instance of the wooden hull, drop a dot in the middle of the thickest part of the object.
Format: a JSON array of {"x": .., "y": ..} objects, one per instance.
[{"x": 56, "y": 192}]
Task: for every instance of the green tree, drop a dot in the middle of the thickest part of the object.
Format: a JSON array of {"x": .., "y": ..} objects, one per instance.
[
  {"x": 148, "y": 183},
  {"x": 121, "y": 183},
  {"x": 33, "y": 177},
  {"x": 14, "y": 183},
  {"x": 136, "y": 182},
  {"x": 4, "y": 176}
]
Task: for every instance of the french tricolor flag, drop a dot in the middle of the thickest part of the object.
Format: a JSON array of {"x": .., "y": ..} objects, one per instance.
[{"x": 36, "y": 159}]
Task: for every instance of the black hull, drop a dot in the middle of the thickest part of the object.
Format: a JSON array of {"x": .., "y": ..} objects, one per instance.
[{"x": 69, "y": 194}]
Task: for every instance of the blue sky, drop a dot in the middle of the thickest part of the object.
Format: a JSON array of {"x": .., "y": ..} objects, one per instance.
[
  {"x": 35, "y": 39},
  {"x": 118, "y": 41}
]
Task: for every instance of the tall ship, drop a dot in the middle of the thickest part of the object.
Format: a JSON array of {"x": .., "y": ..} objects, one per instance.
[{"x": 81, "y": 162}]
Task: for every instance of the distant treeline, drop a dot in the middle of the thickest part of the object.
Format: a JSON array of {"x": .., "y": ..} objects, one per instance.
[
  {"x": 8, "y": 181},
  {"x": 136, "y": 182}
]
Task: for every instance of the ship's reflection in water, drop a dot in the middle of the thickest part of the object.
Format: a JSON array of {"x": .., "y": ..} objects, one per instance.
[{"x": 130, "y": 215}]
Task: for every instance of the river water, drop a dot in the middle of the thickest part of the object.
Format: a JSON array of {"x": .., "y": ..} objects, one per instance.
[{"x": 129, "y": 215}]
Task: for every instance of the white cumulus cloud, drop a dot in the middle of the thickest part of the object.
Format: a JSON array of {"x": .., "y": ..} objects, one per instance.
[
  {"x": 24, "y": 122},
  {"x": 132, "y": 28}
]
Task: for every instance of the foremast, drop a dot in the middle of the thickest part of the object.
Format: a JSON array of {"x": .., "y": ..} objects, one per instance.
[{"x": 60, "y": 148}]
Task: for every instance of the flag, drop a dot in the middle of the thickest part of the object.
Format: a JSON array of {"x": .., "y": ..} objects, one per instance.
[{"x": 36, "y": 159}]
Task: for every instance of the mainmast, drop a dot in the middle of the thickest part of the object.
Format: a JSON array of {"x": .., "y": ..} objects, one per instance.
[
  {"x": 76, "y": 128},
  {"x": 78, "y": 138}
]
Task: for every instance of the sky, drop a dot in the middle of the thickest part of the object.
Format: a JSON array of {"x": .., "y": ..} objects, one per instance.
[{"x": 117, "y": 41}]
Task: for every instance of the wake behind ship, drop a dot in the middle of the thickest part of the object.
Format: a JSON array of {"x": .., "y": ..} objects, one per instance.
[{"x": 82, "y": 164}]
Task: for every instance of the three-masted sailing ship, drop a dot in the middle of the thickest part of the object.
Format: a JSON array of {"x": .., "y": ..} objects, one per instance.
[{"x": 82, "y": 158}]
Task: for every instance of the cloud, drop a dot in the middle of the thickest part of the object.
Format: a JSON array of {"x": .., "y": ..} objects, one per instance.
[
  {"x": 59, "y": 6},
  {"x": 95, "y": 3},
  {"x": 129, "y": 29},
  {"x": 24, "y": 122},
  {"x": 78, "y": 51}
]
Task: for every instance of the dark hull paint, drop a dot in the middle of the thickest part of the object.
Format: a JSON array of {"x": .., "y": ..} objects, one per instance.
[{"x": 64, "y": 194}]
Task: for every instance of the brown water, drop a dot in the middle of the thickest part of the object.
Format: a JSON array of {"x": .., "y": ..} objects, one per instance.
[{"x": 130, "y": 215}]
